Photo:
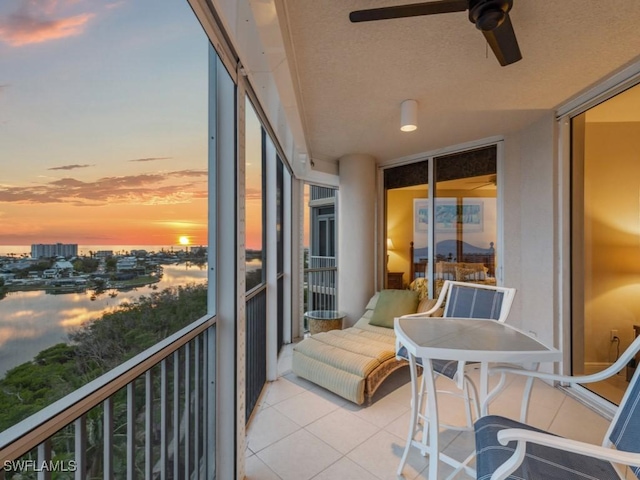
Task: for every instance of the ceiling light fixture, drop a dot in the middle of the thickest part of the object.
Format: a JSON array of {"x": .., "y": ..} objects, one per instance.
[{"x": 409, "y": 116}]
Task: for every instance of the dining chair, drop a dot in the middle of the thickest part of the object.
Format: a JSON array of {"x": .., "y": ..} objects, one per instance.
[
  {"x": 509, "y": 449},
  {"x": 464, "y": 300}
]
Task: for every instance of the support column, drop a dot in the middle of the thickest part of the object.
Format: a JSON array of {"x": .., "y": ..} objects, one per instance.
[
  {"x": 226, "y": 285},
  {"x": 271, "y": 261},
  {"x": 294, "y": 246},
  {"x": 356, "y": 207}
]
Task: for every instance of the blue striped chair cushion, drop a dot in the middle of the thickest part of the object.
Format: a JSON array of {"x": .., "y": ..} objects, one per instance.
[
  {"x": 473, "y": 302},
  {"x": 625, "y": 434},
  {"x": 448, "y": 368},
  {"x": 540, "y": 462}
]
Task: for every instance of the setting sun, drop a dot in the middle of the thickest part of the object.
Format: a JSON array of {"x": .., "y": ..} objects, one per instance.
[{"x": 184, "y": 240}]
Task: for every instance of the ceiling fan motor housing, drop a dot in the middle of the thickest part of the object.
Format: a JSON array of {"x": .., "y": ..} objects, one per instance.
[{"x": 488, "y": 14}]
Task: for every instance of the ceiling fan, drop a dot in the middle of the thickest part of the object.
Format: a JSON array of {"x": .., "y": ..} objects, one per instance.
[
  {"x": 489, "y": 16},
  {"x": 485, "y": 181}
]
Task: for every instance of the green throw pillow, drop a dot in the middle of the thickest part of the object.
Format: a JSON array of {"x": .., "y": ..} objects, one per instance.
[{"x": 391, "y": 304}]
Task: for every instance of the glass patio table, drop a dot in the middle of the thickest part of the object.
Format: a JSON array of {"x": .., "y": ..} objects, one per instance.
[
  {"x": 464, "y": 340},
  {"x": 324, "y": 320}
]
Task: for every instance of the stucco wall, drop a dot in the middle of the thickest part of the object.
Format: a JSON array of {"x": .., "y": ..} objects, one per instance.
[
  {"x": 511, "y": 200},
  {"x": 530, "y": 199}
]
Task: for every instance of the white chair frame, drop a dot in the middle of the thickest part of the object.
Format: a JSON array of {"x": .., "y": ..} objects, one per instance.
[
  {"x": 603, "y": 451},
  {"x": 462, "y": 380}
]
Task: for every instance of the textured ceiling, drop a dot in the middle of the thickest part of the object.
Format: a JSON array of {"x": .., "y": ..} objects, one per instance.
[{"x": 349, "y": 79}]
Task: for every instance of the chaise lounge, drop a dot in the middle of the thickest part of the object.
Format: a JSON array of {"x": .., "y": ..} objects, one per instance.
[{"x": 355, "y": 361}]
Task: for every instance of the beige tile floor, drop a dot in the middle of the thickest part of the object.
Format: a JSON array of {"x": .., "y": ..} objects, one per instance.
[
  {"x": 301, "y": 431},
  {"x": 612, "y": 388}
]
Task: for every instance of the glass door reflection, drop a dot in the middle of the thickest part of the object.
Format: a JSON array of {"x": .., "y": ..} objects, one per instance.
[{"x": 465, "y": 220}]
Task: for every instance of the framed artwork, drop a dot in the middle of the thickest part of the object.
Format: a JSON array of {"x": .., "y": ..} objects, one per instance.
[
  {"x": 449, "y": 214},
  {"x": 420, "y": 214}
]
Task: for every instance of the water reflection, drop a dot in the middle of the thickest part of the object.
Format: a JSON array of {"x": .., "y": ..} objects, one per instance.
[{"x": 33, "y": 321}]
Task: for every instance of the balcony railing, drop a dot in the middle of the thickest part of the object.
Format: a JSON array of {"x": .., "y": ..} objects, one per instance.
[
  {"x": 320, "y": 281},
  {"x": 256, "y": 347},
  {"x": 319, "y": 193},
  {"x": 151, "y": 417}
]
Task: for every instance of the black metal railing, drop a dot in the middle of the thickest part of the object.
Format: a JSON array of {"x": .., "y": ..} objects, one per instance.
[
  {"x": 147, "y": 418},
  {"x": 256, "y": 346},
  {"x": 280, "y": 311},
  {"x": 320, "y": 283},
  {"x": 319, "y": 193}
]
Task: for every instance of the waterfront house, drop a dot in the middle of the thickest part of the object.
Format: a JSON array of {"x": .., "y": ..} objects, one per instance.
[
  {"x": 126, "y": 264},
  {"x": 63, "y": 268},
  {"x": 539, "y": 159},
  {"x": 49, "y": 273}
]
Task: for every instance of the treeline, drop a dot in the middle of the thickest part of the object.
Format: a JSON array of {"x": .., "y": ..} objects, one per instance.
[{"x": 97, "y": 347}]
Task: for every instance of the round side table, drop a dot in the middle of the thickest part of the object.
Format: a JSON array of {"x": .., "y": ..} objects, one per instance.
[{"x": 324, "y": 320}]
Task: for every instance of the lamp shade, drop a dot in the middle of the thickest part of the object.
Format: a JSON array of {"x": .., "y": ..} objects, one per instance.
[
  {"x": 409, "y": 115},
  {"x": 389, "y": 244}
]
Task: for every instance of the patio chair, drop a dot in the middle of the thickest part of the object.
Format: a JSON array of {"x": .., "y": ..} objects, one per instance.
[
  {"x": 510, "y": 449},
  {"x": 465, "y": 300}
]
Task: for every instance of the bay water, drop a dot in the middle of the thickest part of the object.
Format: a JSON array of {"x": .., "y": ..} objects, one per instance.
[{"x": 31, "y": 321}]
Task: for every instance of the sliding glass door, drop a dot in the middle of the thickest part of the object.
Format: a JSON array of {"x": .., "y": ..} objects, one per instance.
[
  {"x": 465, "y": 217},
  {"x": 606, "y": 238},
  {"x": 459, "y": 216},
  {"x": 406, "y": 188}
]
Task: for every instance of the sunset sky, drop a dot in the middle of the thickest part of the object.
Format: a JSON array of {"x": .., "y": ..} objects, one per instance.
[{"x": 103, "y": 123}]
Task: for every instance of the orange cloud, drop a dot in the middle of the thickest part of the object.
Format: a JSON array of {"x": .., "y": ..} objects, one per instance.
[
  {"x": 26, "y": 27},
  {"x": 146, "y": 189}
]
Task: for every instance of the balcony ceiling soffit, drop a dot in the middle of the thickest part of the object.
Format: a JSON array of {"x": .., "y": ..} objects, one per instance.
[{"x": 349, "y": 79}]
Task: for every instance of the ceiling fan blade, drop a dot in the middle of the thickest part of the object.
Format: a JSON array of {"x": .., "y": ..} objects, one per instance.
[
  {"x": 411, "y": 10},
  {"x": 483, "y": 185},
  {"x": 503, "y": 42}
]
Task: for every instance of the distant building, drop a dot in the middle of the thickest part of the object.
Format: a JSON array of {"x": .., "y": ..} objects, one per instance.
[
  {"x": 39, "y": 250},
  {"x": 49, "y": 273},
  {"x": 63, "y": 268},
  {"x": 127, "y": 264},
  {"x": 21, "y": 264},
  {"x": 104, "y": 253}
]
